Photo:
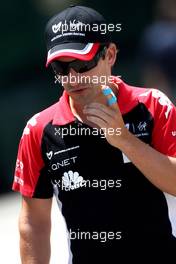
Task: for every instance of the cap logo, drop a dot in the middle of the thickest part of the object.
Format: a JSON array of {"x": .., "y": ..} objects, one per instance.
[
  {"x": 76, "y": 26},
  {"x": 56, "y": 27},
  {"x": 71, "y": 26}
]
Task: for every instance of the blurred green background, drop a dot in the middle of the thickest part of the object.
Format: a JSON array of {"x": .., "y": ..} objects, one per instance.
[{"x": 27, "y": 87}]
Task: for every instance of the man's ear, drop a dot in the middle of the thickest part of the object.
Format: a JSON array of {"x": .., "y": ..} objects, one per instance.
[{"x": 111, "y": 54}]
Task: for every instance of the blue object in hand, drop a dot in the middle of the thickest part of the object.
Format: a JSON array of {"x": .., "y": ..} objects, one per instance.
[{"x": 107, "y": 91}]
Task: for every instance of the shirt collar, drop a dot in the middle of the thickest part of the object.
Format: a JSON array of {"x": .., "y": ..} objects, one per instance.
[{"x": 63, "y": 113}]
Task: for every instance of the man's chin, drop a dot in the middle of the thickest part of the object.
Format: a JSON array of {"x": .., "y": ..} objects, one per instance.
[{"x": 81, "y": 99}]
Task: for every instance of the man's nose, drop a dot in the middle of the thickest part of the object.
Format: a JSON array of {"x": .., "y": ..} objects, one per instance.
[{"x": 73, "y": 77}]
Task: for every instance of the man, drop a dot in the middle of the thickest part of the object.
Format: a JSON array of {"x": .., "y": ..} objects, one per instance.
[{"x": 107, "y": 151}]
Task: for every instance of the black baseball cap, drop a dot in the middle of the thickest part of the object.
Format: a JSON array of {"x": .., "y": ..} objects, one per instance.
[{"x": 75, "y": 32}]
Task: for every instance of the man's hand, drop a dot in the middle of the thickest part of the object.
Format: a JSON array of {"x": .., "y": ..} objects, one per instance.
[{"x": 108, "y": 117}]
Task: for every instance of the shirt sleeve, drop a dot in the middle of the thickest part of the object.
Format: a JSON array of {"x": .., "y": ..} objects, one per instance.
[
  {"x": 164, "y": 132},
  {"x": 31, "y": 177}
]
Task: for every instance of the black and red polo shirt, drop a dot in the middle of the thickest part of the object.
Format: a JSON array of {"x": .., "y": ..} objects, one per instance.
[{"x": 111, "y": 210}]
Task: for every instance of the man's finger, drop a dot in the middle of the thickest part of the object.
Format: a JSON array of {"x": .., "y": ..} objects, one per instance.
[
  {"x": 99, "y": 113},
  {"x": 105, "y": 109},
  {"x": 98, "y": 121},
  {"x": 111, "y": 98}
]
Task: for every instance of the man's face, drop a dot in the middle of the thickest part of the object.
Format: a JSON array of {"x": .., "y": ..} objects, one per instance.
[{"x": 84, "y": 87}]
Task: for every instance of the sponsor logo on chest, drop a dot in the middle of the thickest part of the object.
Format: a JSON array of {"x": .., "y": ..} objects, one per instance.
[{"x": 139, "y": 129}]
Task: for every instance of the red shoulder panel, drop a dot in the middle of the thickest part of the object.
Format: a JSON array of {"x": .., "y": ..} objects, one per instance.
[
  {"x": 164, "y": 114},
  {"x": 29, "y": 159}
]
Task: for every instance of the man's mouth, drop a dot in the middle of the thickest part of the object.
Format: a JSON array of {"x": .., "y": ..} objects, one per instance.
[{"x": 76, "y": 90}]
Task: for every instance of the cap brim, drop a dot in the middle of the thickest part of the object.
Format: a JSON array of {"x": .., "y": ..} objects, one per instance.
[{"x": 81, "y": 51}]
